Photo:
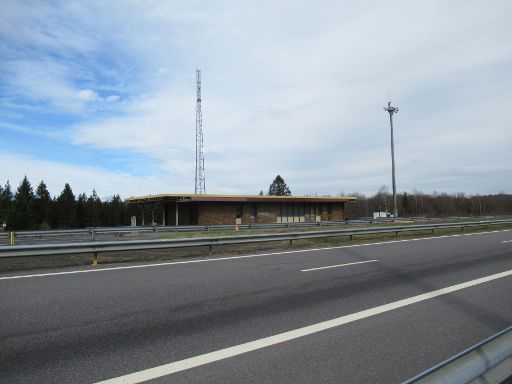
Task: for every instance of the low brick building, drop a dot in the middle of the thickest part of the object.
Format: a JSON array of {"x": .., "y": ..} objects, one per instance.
[{"x": 234, "y": 209}]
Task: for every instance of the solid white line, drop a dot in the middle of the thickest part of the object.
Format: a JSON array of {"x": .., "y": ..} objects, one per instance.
[
  {"x": 178, "y": 366},
  {"x": 337, "y": 266},
  {"x": 241, "y": 257}
]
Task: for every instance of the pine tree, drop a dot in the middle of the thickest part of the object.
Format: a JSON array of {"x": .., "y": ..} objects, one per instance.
[
  {"x": 94, "y": 210},
  {"x": 279, "y": 188},
  {"x": 115, "y": 212},
  {"x": 66, "y": 208},
  {"x": 1, "y": 222},
  {"x": 20, "y": 213},
  {"x": 261, "y": 193},
  {"x": 42, "y": 206},
  {"x": 5, "y": 202},
  {"x": 81, "y": 211},
  {"x": 406, "y": 206}
]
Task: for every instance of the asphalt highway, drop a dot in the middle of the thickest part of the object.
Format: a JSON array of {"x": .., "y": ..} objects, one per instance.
[{"x": 353, "y": 314}]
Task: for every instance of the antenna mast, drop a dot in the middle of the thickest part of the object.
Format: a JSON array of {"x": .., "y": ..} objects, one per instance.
[{"x": 200, "y": 186}]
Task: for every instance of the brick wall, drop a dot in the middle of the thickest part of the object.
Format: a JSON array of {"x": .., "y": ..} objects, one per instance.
[
  {"x": 338, "y": 212},
  {"x": 225, "y": 213},
  {"x": 324, "y": 212},
  {"x": 248, "y": 214},
  {"x": 216, "y": 213},
  {"x": 267, "y": 212}
]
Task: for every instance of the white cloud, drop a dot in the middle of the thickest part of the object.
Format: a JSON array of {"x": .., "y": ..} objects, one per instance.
[
  {"x": 293, "y": 88},
  {"x": 112, "y": 98},
  {"x": 88, "y": 95},
  {"x": 81, "y": 178}
]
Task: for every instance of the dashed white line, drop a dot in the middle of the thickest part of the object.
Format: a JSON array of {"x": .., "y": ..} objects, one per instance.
[
  {"x": 192, "y": 362},
  {"x": 240, "y": 257},
  {"x": 338, "y": 265},
  {"x": 507, "y": 241}
]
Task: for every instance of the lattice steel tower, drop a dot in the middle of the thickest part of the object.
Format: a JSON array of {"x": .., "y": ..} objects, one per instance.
[{"x": 200, "y": 176}]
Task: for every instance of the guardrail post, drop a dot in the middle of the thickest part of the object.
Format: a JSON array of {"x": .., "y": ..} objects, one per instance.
[
  {"x": 210, "y": 249},
  {"x": 95, "y": 258},
  {"x": 11, "y": 238},
  {"x": 208, "y": 228},
  {"x": 396, "y": 234},
  {"x": 93, "y": 234},
  {"x": 291, "y": 242}
]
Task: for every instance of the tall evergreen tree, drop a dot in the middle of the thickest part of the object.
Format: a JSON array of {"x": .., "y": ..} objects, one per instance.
[
  {"x": 21, "y": 211},
  {"x": 5, "y": 202},
  {"x": 406, "y": 205},
  {"x": 1, "y": 219},
  {"x": 81, "y": 211},
  {"x": 66, "y": 208},
  {"x": 279, "y": 188},
  {"x": 94, "y": 210},
  {"x": 116, "y": 212},
  {"x": 42, "y": 206}
]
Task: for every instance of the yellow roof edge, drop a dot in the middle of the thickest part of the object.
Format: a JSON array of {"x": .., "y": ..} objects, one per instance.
[{"x": 239, "y": 196}]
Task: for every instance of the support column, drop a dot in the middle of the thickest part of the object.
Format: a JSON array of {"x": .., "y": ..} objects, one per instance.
[
  {"x": 163, "y": 215},
  {"x": 153, "y": 214},
  {"x": 177, "y": 214},
  {"x": 143, "y": 222}
]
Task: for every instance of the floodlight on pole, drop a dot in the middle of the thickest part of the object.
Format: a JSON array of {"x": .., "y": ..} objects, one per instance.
[
  {"x": 392, "y": 111},
  {"x": 200, "y": 184}
]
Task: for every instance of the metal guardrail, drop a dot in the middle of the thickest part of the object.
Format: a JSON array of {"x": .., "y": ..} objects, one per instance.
[
  {"x": 185, "y": 228},
  {"x": 129, "y": 245},
  {"x": 93, "y": 231},
  {"x": 489, "y": 361}
]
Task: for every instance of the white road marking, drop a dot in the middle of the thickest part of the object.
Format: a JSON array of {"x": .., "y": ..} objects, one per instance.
[
  {"x": 96, "y": 269},
  {"x": 338, "y": 265},
  {"x": 192, "y": 362},
  {"x": 507, "y": 241}
]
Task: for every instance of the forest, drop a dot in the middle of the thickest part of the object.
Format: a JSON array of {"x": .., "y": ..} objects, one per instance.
[
  {"x": 25, "y": 208},
  {"x": 434, "y": 205}
]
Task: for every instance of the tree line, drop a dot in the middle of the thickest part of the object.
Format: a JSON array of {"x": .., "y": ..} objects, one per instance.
[
  {"x": 419, "y": 204},
  {"x": 27, "y": 209}
]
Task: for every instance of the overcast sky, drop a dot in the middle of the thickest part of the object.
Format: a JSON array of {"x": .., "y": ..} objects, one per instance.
[{"x": 101, "y": 94}]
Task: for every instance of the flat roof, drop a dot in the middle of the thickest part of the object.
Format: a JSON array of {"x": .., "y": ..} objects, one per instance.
[{"x": 238, "y": 198}]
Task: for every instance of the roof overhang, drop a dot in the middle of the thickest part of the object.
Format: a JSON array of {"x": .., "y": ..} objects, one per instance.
[{"x": 239, "y": 199}]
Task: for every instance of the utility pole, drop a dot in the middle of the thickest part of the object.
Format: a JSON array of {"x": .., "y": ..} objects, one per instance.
[
  {"x": 200, "y": 186},
  {"x": 392, "y": 110}
]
